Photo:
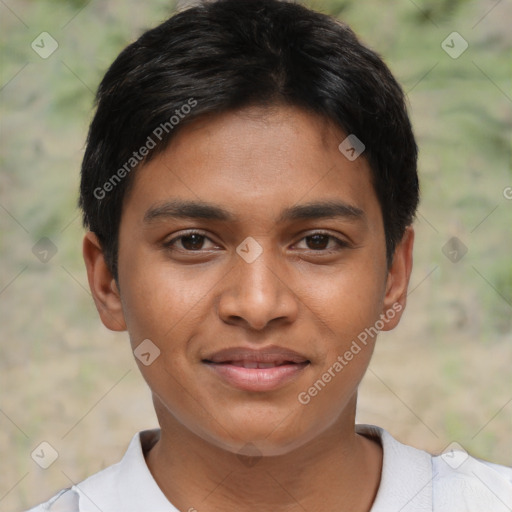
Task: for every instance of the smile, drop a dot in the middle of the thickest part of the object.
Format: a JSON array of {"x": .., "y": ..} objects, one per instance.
[
  {"x": 258, "y": 364},
  {"x": 250, "y": 375}
]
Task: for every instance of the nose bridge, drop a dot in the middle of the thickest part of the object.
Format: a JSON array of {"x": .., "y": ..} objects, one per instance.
[
  {"x": 256, "y": 292},
  {"x": 258, "y": 278}
]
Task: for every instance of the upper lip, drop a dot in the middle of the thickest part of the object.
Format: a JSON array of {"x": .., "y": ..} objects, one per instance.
[{"x": 270, "y": 354}]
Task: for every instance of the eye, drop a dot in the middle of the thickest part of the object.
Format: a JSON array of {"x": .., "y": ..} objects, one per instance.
[
  {"x": 190, "y": 241},
  {"x": 194, "y": 241},
  {"x": 319, "y": 242}
]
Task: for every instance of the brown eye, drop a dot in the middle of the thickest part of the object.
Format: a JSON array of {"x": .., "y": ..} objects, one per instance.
[
  {"x": 192, "y": 242},
  {"x": 318, "y": 242}
]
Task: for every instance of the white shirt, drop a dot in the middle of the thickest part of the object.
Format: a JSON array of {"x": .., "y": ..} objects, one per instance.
[{"x": 411, "y": 480}]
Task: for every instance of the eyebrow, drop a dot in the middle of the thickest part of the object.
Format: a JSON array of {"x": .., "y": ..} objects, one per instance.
[{"x": 182, "y": 209}]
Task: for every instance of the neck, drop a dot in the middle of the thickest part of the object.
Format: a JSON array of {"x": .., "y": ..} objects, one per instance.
[{"x": 338, "y": 470}]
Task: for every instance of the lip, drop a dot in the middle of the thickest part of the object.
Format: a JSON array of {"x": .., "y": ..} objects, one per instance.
[{"x": 265, "y": 369}]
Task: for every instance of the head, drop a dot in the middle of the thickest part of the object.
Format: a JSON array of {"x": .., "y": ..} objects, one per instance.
[{"x": 243, "y": 122}]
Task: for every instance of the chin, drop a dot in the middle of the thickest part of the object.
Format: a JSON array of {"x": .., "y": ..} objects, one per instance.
[
  {"x": 251, "y": 447},
  {"x": 274, "y": 436}
]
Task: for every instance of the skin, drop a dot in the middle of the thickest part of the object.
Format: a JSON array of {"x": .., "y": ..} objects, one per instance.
[{"x": 200, "y": 297}]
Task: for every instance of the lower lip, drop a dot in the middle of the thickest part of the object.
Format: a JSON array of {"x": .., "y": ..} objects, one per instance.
[{"x": 257, "y": 379}]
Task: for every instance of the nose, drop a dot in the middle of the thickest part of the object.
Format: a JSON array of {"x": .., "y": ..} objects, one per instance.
[{"x": 258, "y": 293}]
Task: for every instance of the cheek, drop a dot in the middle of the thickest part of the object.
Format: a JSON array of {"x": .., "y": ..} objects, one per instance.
[
  {"x": 159, "y": 302},
  {"x": 347, "y": 314},
  {"x": 348, "y": 301},
  {"x": 336, "y": 380}
]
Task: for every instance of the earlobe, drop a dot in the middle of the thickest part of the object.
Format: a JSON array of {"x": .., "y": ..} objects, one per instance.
[
  {"x": 102, "y": 284},
  {"x": 398, "y": 280}
]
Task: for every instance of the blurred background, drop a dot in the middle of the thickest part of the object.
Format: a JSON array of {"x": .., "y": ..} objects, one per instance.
[{"x": 443, "y": 376}]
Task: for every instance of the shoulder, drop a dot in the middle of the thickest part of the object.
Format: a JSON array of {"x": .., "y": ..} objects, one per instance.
[
  {"x": 462, "y": 482},
  {"x": 64, "y": 501},
  {"x": 95, "y": 492},
  {"x": 414, "y": 480},
  {"x": 73, "y": 498}
]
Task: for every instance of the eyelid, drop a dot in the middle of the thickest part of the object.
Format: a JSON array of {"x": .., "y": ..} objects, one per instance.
[
  {"x": 186, "y": 233},
  {"x": 339, "y": 241}
]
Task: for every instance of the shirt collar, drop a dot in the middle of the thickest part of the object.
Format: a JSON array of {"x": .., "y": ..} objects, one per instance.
[
  {"x": 405, "y": 486},
  {"x": 128, "y": 485},
  {"x": 406, "y": 478}
]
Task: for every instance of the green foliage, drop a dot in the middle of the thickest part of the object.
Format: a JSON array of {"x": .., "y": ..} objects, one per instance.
[
  {"x": 429, "y": 10},
  {"x": 460, "y": 110},
  {"x": 333, "y": 7}
]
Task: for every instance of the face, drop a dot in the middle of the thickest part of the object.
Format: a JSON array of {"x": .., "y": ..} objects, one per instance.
[{"x": 252, "y": 255}]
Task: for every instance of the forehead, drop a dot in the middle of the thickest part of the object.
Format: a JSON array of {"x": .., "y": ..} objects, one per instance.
[{"x": 255, "y": 163}]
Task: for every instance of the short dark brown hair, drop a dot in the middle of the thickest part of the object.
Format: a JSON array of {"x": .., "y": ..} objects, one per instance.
[{"x": 226, "y": 55}]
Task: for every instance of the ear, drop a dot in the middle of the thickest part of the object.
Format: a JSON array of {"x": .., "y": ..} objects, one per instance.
[
  {"x": 103, "y": 285},
  {"x": 398, "y": 281}
]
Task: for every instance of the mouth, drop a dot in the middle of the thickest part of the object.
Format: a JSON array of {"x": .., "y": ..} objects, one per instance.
[
  {"x": 257, "y": 370},
  {"x": 253, "y": 365}
]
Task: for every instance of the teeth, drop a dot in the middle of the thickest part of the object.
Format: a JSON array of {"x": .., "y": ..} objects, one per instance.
[
  {"x": 256, "y": 364},
  {"x": 266, "y": 365}
]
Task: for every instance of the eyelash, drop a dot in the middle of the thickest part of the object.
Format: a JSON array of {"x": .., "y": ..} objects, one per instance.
[{"x": 340, "y": 243}]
